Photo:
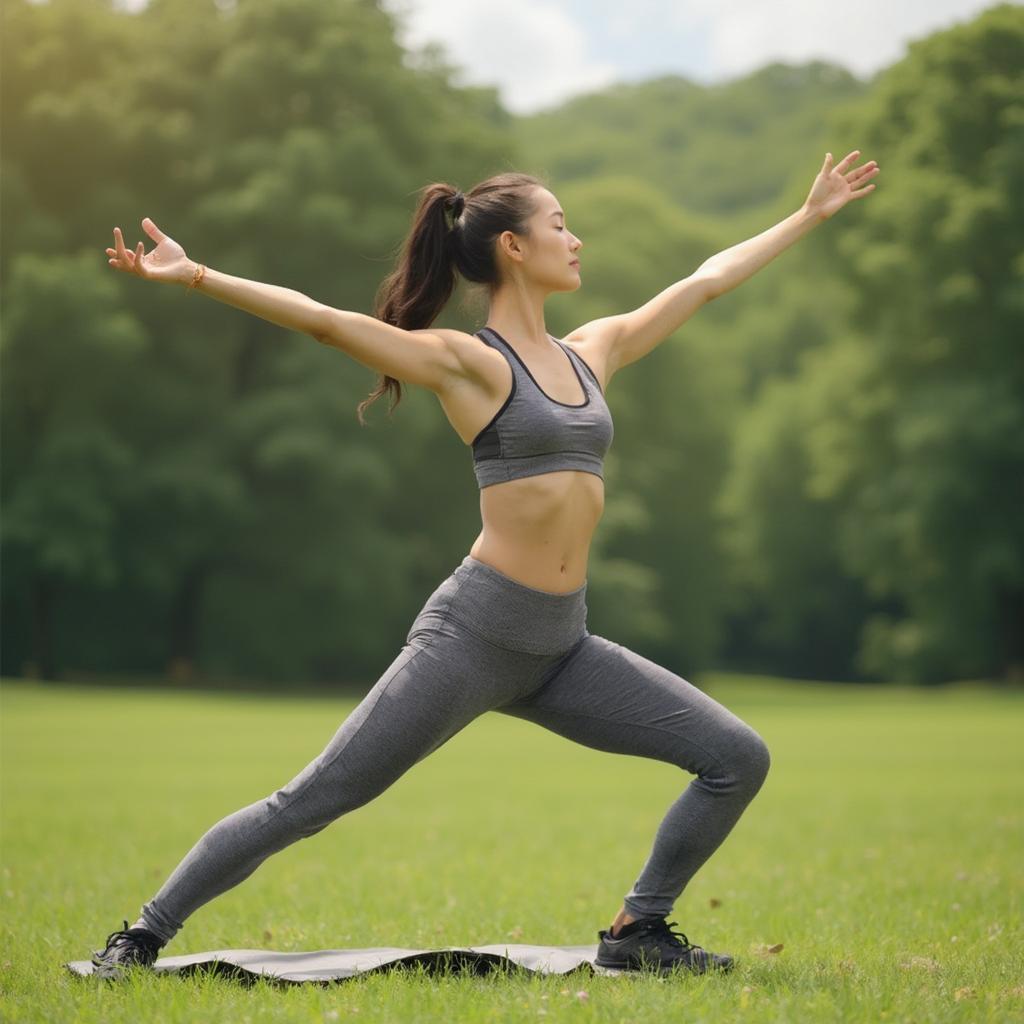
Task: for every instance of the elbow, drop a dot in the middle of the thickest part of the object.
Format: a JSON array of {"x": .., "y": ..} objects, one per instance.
[
  {"x": 323, "y": 327},
  {"x": 710, "y": 283}
]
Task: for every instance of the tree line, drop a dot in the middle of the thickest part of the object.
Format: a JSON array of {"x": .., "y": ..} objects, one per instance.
[{"x": 821, "y": 474}]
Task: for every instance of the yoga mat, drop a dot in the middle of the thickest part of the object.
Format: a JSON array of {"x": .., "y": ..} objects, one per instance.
[{"x": 327, "y": 966}]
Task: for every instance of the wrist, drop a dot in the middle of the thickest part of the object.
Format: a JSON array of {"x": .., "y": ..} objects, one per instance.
[
  {"x": 191, "y": 275},
  {"x": 811, "y": 214}
]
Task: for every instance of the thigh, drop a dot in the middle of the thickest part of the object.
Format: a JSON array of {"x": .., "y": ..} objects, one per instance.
[
  {"x": 432, "y": 690},
  {"x": 610, "y": 698}
]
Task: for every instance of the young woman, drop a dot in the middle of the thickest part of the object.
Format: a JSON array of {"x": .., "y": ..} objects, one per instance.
[{"x": 506, "y": 631}]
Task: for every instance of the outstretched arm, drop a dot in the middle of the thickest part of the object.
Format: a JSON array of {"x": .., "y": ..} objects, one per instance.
[
  {"x": 831, "y": 191},
  {"x": 418, "y": 357},
  {"x": 615, "y": 341}
]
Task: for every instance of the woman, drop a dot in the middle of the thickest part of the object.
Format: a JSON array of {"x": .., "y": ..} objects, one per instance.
[{"x": 506, "y": 631}]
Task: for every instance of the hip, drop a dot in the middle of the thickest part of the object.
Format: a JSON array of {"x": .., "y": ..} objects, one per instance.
[{"x": 482, "y": 600}]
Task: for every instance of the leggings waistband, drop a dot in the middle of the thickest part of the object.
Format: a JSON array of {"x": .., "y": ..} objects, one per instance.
[
  {"x": 486, "y": 569},
  {"x": 514, "y": 615}
]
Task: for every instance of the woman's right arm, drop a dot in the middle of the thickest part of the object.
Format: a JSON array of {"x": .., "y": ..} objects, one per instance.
[{"x": 417, "y": 357}]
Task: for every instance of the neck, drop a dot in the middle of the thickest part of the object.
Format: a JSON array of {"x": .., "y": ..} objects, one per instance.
[{"x": 517, "y": 313}]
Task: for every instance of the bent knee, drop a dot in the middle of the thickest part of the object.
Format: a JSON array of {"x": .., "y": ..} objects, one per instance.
[
  {"x": 743, "y": 761},
  {"x": 757, "y": 760}
]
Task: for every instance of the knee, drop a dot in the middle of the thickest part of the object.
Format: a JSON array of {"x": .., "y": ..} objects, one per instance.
[
  {"x": 306, "y": 806},
  {"x": 742, "y": 762},
  {"x": 300, "y": 818},
  {"x": 750, "y": 761}
]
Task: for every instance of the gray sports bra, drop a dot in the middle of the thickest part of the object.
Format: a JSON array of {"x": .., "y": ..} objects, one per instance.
[{"x": 532, "y": 433}]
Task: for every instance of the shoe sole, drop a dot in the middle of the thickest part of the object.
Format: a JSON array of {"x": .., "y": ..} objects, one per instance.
[
  {"x": 672, "y": 968},
  {"x": 115, "y": 972},
  {"x": 111, "y": 973}
]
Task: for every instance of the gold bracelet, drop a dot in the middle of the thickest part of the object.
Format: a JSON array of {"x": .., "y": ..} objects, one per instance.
[{"x": 197, "y": 275}]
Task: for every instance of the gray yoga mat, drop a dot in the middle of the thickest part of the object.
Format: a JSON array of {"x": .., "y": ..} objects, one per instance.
[{"x": 326, "y": 966}]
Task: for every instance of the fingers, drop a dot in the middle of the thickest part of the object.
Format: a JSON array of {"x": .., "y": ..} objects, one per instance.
[
  {"x": 122, "y": 253},
  {"x": 844, "y": 164},
  {"x": 869, "y": 170},
  {"x": 120, "y": 256},
  {"x": 133, "y": 261},
  {"x": 152, "y": 230},
  {"x": 854, "y": 177}
]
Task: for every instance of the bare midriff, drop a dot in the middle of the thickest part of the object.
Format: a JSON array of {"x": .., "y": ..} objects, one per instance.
[{"x": 537, "y": 530}]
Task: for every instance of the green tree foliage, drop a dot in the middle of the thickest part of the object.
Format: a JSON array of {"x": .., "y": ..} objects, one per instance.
[
  {"x": 258, "y": 526},
  {"x": 68, "y": 464},
  {"x": 792, "y": 602},
  {"x": 931, "y": 473},
  {"x": 898, "y": 447},
  {"x": 696, "y": 144},
  {"x": 871, "y": 513},
  {"x": 820, "y": 474}
]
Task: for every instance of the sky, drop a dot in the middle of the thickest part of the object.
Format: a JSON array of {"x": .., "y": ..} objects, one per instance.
[{"x": 538, "y": 53}]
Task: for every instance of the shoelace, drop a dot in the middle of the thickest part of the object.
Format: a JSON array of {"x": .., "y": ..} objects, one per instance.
[
  {"x": 663, "y": 929},
  {"x": 123, "y": 937}
]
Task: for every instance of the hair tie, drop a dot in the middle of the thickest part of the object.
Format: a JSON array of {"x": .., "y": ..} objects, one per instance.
[{"x": 458, "y": 203}]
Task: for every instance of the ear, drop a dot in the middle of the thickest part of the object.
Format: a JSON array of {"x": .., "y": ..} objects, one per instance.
[{"x": 508, "y": 243}]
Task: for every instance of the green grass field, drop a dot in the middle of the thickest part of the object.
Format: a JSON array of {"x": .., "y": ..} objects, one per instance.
[{"x": 884, "y": 853}]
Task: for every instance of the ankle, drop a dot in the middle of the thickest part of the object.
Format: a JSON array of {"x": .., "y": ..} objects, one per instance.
[
  {"x": 620, "y": 922},
  {"x": 141, "y": 926}
]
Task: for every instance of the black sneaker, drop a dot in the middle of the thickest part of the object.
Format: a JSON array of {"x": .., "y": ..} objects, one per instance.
[
  {"x": 651, "y": 943},
  {"x": 125, "y": 948}
]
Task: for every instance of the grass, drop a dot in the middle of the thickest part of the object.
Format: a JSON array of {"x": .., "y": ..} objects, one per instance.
[{"x": 884, "y": 853}]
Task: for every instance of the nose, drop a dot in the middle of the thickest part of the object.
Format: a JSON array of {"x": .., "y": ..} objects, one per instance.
[{"x": 577, "y": 244}]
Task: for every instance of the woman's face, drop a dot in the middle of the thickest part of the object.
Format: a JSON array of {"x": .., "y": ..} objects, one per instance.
[{"x": 550, "y": 252}]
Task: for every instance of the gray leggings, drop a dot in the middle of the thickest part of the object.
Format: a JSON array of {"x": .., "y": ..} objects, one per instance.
[{"x": 485, "y": 642}]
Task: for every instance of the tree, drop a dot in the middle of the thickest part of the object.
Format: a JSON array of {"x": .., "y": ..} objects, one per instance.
[{"x": 912, "y": 419}]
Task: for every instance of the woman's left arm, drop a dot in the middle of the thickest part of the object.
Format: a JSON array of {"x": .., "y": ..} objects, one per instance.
[
  {"x": 616, "y": 341},
  {"x": 831, "y": 191}
]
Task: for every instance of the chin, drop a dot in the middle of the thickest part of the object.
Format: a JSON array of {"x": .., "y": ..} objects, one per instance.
[{"x": 565, "y": 284}]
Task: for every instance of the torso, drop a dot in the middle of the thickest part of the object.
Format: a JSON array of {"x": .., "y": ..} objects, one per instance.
[{"x": 538, "y": 529}]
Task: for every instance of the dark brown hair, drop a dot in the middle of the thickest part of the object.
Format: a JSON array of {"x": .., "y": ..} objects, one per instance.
[{"x": 450, "y": 232}]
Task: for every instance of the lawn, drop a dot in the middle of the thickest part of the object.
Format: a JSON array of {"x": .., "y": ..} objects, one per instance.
[{"x": 885, "y": 854}]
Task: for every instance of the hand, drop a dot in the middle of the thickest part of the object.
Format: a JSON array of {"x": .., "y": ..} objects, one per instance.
[
  {"x": 834, "y": 187},
  {"x": 167, "y": 262}
]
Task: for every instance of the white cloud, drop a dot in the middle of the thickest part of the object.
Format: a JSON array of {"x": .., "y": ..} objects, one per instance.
[
  {"x": 533, "y": 51},
  {"x": 744, "y": 35},
  {"x": 539, "y": 52}
]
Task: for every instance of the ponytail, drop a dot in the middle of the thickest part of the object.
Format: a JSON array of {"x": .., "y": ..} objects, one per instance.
[
  {"x": 450, "y": 232},
  {"x": 416, "y": 291}
]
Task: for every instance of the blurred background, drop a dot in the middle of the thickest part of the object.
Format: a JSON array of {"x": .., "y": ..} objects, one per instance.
[{"x": 820, "y": 476}]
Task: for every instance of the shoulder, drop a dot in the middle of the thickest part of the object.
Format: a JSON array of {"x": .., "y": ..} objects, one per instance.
[
  {"x": 468, "y": 348},
  {"x": 452, "y": 337},
  {"x": 478, "y": 362}
]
